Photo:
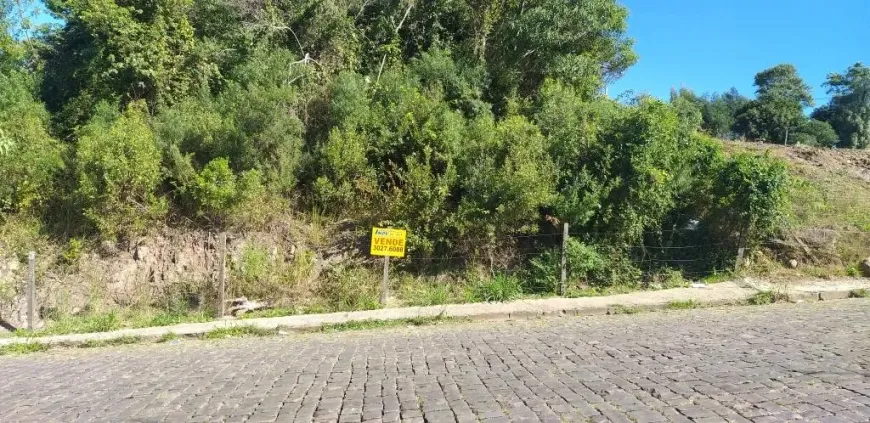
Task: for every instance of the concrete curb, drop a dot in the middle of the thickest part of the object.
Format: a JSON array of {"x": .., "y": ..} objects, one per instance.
[{"x": 726, "y": 293}]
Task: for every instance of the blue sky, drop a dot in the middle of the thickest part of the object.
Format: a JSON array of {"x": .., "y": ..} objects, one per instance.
[{"x": 712, "y": 45}]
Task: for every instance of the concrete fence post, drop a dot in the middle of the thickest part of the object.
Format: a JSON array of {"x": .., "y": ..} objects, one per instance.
[
  {"x": 385, "y": 283},
  {"x": 222, "y": 273},
  {"x": 31, "y": 289},
  {"x": 563, "y": 280},
  {"x": 739, "y": 262}
]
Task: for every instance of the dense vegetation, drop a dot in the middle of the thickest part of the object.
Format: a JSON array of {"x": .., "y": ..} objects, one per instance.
[
  {"x": 469, "y": 122},
  {"x": 777, "y": 113}
]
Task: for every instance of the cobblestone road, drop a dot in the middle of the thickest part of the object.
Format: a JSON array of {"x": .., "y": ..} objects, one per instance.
[{"x": 808, "y": 362}]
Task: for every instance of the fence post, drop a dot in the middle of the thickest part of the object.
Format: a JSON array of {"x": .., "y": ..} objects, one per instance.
[
  {"x": 31, "y": 288},
  {"x": 739, "y": 262},
  {"x": 385, "y": 281},
  {"x": 564, "y": 277},
  {"x": 222, "y": 275}
]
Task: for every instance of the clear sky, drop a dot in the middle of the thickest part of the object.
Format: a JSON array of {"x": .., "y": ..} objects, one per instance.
[{"x": 712, "y": 45}]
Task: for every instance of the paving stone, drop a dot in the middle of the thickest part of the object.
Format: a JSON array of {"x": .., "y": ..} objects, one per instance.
[{"x": 759, "y": 364}]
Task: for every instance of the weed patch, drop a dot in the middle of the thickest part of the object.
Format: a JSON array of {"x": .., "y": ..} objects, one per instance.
[
  {"x": 500, "y": 288},
  {"x": 238, "y": 332},
  {"x": 768, "y": 297},
  {"x": 124, "y": 340},
  {"x": 23, "y": 348},
  {"x": 167, "y": 337},
  {"x": 683, "y": 304},
  {"x": 382, "y": 324},
  {"x": 623, "y": 309},
  {"x": 859, "y": 293}
]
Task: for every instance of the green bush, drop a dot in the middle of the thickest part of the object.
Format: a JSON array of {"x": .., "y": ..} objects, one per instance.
[
  {"x": 253, "y": 122},
  {"x": 30, "y": 159},
  {"x": 118, "y": 170},
  {"x": 583, "y": 264},
  {"x": 506, "y": 178},
  {"x": 815, "y": 133},
  {"x": 221, "y": 196},
  {"x": 215, "y": 186},
  {"x": 752, "y": 193},
  {"x": 499, "y": 288}
]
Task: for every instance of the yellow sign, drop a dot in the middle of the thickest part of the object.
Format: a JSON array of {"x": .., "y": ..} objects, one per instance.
[{"x": 388, "y": 242}]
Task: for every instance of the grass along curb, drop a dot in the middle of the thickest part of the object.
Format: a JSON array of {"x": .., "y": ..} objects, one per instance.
[
  {"x": 239, "y": 331},
  {"x": 40, "y": 344}
]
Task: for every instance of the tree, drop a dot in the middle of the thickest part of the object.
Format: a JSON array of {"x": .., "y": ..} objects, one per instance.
[
  {"x": 582, "y": 43},
  {"x": 781, "y": 96},
  {"x": 849, "y": 109},
  {"x": 20, "y": 37},
  {"x": 689, "y": 108},
  {"x": 114, "y": 50},
  {"x": 720, "y": 113},
  {"x": 30, "y": 159},
  {"x": 816, "y": 133}
]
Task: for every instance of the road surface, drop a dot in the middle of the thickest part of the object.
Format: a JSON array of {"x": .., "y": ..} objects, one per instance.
[{"x": 801, "y": 362}]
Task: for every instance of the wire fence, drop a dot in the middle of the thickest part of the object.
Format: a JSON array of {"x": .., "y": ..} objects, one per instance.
[{"x": 689, "y": 253}]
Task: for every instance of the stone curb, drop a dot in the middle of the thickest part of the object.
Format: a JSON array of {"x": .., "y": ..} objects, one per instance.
[{"x": 725, "y": 293}]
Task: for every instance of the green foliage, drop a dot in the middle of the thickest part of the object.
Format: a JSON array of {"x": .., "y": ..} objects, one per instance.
[
  {"x": 239, "y": 331},
  {"x": 849, "y": 109},
  {"x": 253, "y": 124},
  {"x": 859, "y": 293},
  {"x": 815, "y": 133},
  {"x": 506, "y": 177},
  {"x": 73, "y": 252},
  {"x": 167, "y": 337},
  {"x": 118, "y": 170},
  {"x": 668, "y": 278},
  {"x": 217, "y": 192},
  {"x": 348, "y": 289},
  {"x": 23, "y": 348},
  {"x": 499, "y": 288},
  {"x": 778, "y": 108},
  {"x": 720, "y": 113},
  {"x": 421, "y": 292},
  {"x": 584, "y": 265},
  {"x": 689, "y": 109},
  {"x": 752, "y": 194},
  {"x": 84, "y": 323},
  {"x": 30, "y": 160},
  {"x": 768, "y": 297},
  {"x": 683, "y": 304},
  {"x": 475, "y": 124},
  {"x": 581, "y": 43},
  {"x": 643, "y": 154},
  {"x": 619, "y": 173},
  {"x": 112, "y": 50}
]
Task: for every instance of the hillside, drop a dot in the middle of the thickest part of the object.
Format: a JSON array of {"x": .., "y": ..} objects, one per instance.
[
  {"x": 135, "y": 134},
  {"x": 828, "y": 229}
]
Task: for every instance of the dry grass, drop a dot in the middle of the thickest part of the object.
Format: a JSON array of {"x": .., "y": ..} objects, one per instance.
[{"x": 827, "y": 227}]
